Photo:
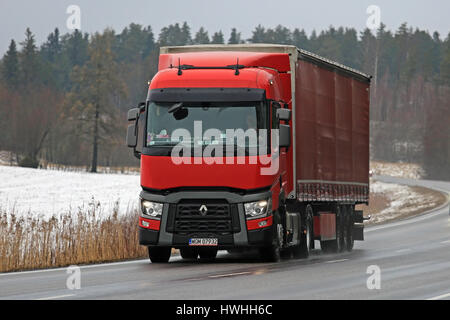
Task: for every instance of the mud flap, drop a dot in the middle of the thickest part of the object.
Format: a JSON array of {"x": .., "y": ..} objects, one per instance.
[{"x": 358, "y": 232}]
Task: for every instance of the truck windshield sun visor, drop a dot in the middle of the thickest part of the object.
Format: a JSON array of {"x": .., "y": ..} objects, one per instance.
[{"x": 207, "y": 94}]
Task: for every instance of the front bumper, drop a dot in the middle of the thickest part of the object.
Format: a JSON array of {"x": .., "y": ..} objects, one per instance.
[{"x": 240, "y": 236}]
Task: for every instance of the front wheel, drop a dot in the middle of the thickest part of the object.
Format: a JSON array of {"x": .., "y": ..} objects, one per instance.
[
  {"x": 159, "y": 254},
  {"x": 272, "y": 253}
]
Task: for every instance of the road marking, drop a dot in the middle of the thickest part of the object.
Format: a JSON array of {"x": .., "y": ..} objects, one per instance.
[
  {"x": 335, "y": 261},
  {"x": 404, "y": 250},
  {"x": 57, "y": 297},
  {"x": 446, "y": 241},
  {"x": 63, "y": 269},
  {"x": 442, "y": 296},
  {"x": 229, "y": 275}
]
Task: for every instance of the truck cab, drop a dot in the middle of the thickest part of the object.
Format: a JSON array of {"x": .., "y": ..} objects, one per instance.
[{"x": 217, "y": 159}]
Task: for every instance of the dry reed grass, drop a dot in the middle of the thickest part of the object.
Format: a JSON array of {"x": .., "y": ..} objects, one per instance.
[{"x": 29, "y": 242}]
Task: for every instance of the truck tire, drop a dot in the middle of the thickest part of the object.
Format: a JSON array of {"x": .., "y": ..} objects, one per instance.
[
  {"x": 207, "y": 254},
  {"x": 306, "y": 236},
  {"x": 337, "y": 245},
  {"x": 189, "y": 253},
  {"x": 272, "y": 253},
  {"x": 350, "y": 241},
  {"x": 159, "y": 254}
]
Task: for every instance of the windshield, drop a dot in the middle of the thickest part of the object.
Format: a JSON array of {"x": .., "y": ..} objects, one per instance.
[{"x": 165, "y": 118}]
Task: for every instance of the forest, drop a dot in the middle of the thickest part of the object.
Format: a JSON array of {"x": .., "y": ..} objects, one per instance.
[{"x": 65, "y": 101}]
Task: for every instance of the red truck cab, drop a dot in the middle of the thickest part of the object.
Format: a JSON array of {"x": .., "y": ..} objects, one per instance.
[{"x": 208, "y": 184}]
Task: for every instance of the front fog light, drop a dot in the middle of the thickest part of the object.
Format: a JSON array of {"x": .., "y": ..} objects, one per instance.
[
  {"x": 152, "y": 209},
  {"x": 259, "y": 209}
]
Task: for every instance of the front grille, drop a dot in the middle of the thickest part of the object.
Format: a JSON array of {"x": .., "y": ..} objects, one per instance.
[
  {"x": 210, "y": 216},
  {"x": 183, "y": 226},
  {"x": 213, "y": 211}
]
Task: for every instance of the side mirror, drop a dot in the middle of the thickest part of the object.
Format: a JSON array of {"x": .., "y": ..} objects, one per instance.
[
  {"x": 285, "y": 136},
  {"x": 131, "y": 136},
  {"x": 284, "y": 114},
  {"x": 133, "y": 114}
]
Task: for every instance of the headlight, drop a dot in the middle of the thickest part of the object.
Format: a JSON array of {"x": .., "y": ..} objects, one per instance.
[
  {"x": 259, "y": 209},
  {"x": 152, "y": 209}
]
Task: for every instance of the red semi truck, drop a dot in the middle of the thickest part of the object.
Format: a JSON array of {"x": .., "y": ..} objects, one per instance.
[{"x": 310, "y": 170}]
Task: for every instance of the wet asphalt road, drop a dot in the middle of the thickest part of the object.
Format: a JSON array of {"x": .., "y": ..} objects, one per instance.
[{"x": 413, "y": 257}]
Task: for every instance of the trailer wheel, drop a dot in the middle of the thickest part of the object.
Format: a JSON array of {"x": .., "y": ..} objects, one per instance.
[
  {"x": 306, "y": 236},
  {"x": 272, "y": 253},
  {"x": 337, "y": 245},
  {"x": 344, "y": 227},
  {"x": 189, "y": 253},
  {"x": 159, "y": 254},
  {"x": 350, "y": 241},
  {"x": 207, "y": 254}
]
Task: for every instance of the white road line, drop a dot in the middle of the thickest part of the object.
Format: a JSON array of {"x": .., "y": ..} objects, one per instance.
[
  {"x": 334, "y": 261},
  {"x": 229, "y": 274},
  {"x": 403, "y": 250},
  {"x": 57, "y": 297},
  {"x": 442, "y": 296},
  {"x": 446, "y": 241},
  {"x": 63, "y": 269}
]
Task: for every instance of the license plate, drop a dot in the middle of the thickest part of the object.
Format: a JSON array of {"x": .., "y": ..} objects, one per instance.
[{"x": 195, "y": 242}]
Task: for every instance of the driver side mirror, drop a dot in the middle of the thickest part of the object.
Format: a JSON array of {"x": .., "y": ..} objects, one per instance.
[
  {"x": 284, "y": 114},
  {"x": 133, "y": 114},
  {"x": 131, "y": 136}
]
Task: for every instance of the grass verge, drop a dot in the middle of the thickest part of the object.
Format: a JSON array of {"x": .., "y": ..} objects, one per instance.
[{"x": 28, "y": 242}]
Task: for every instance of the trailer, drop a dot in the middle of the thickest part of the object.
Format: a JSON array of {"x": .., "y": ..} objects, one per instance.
[{"x": 298, "y": 183}]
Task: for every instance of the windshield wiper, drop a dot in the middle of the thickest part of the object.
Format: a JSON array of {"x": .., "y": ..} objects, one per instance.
[{"x": 176, "y": 107}]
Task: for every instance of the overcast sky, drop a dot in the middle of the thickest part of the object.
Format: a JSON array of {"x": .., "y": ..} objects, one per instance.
[{"x": 43, "y": 16}]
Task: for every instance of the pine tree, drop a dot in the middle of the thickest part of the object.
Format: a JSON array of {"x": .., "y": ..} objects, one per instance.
[
  {"x": 259, "y": 35},
  {"x": 75, "y": 46},
  {"x": 97, "y": 88},
  {"x": 445, "y": 63},
  {"x": 173, "y": 35},
  {"x": 218, "y": 38},
  {"x": 29, "y": 60},
  {"x": 51, "y": 50},
  {"x": 149, "y": 42},
  {"x": 235, "y": 37},
  {"x": 201, "y": 37},
  {"x": 300, "y": 39},
  {"x": 282, "y": 35},
  {"x": 10, "y": 66},
  {"x": 185, "y": 34}
]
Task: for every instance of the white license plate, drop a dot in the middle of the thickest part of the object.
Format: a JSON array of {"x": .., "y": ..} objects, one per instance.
[{"x": 204, "y": 242}]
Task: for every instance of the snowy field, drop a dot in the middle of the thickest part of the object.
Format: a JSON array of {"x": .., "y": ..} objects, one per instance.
[
  {"x": 401, "y": 201},
  {"x": 51, "y": 192},
  {"x": 398, "y": 169},
  {"x": 54, "y": 192}
]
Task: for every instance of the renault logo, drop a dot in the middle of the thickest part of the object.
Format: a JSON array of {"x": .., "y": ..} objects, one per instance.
[{"x": 203, "y": 210}]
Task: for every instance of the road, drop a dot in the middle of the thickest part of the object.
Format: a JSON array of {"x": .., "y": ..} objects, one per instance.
[{"x": 413, "y": 257}]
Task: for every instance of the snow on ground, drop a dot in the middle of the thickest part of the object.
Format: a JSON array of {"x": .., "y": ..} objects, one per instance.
[
  {"x": 398, "y": 169},
  {"x": 51, "y": 192},
  {"x": 402, "y": 200}
]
